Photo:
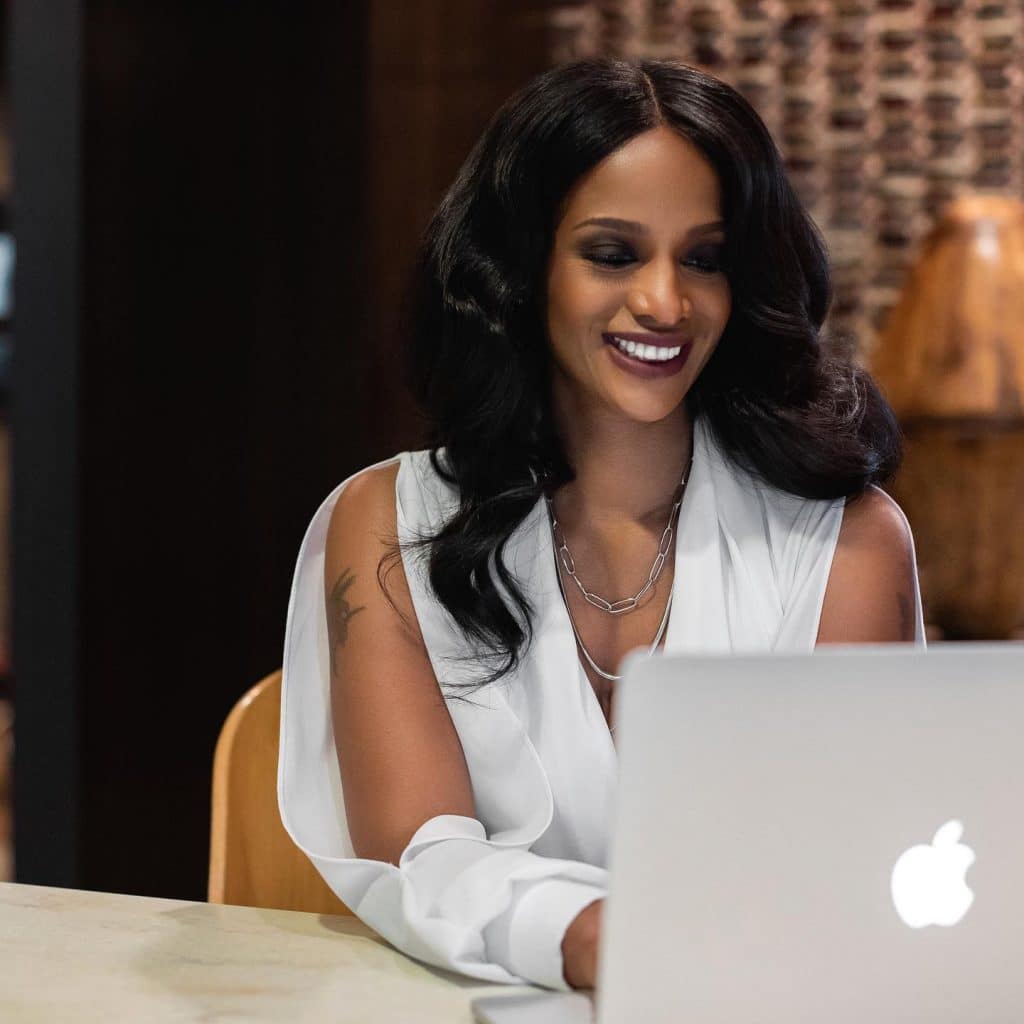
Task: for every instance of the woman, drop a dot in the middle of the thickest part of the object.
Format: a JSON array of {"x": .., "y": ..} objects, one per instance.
[{"x": 638, "y": 442}]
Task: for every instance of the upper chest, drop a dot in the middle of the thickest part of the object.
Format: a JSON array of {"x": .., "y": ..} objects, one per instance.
[{"x": 609, "y": 638}]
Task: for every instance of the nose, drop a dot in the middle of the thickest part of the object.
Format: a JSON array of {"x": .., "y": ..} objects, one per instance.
[{"x": 658, "y": 293}]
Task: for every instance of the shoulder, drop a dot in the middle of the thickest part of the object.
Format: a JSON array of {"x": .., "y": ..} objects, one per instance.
[
  {"x": 874, "y": 540},
  {"x": 371, "y": 489},
  {"x": 363, "y": 525},
  {"x": 872, "y": 584},
  {"x": 366, "y": 499},
  {"x": 362, "y": 542},
  {"x": 873, "y": 521},
  {"x": 405, "y": 489}
]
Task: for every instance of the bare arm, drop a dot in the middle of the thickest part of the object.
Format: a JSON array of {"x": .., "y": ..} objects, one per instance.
[
  {"x": 580, "y": 946},
  {"x": 506, "y": 910},
  {"x": 400, "y": 758},
  {"x": 871, "y": 592}
]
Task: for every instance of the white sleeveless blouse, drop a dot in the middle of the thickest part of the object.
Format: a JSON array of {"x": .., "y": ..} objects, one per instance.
[{"x": 492, "y": 896}]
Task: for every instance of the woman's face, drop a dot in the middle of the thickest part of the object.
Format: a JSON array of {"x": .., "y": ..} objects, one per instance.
[{"x": 654, "y": 273}]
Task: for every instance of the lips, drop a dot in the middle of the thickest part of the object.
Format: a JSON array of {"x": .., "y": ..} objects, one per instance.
[
  {"x": 673, "y": 340},
  {"x": 650, "y": 369}
]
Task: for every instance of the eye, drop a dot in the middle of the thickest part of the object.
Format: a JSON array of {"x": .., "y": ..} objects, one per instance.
[
  {"x": 609, "y": 257},
  {"x": 705, "y": 260}
]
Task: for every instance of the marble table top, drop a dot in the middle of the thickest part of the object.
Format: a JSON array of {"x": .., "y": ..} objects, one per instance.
[{"x": 69, "y": 955}]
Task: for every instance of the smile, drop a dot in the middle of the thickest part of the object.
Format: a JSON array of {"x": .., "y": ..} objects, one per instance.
[
  {"x": 648, "y": 353},
  {"x": 643, "y": 359}
]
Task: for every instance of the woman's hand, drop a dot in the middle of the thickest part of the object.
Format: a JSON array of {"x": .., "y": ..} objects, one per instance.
[{"x": 579, "y": 947}]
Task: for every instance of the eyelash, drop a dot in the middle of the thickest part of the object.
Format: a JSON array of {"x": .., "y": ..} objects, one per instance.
[{"x": 605, "y": 263}]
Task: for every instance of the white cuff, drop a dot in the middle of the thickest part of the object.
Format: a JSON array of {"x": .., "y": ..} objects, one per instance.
[{"x": 539, "y": 923}]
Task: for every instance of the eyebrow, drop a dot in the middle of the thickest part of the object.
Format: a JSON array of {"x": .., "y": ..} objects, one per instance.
[{"x": 641, "y": 229}]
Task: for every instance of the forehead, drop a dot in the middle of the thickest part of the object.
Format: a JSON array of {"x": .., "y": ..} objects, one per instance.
[{"x": 658, "y": 178}]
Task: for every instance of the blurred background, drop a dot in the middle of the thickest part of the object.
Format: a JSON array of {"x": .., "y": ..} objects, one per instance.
[{"x": 209, "y": 216}]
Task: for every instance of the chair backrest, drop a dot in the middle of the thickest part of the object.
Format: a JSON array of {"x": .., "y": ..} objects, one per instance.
[{"x": 253, "y": 861}]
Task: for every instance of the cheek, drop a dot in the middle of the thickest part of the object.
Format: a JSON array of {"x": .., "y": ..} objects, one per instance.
[
  {"x": 574, "y": 296},
  {"x": 718, "y": 306}
]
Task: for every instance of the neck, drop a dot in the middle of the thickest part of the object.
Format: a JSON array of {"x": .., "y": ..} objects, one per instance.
[{"x": 627, "y": 472}]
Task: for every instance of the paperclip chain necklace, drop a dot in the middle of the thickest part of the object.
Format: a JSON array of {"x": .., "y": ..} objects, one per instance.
[{"x": 625, "y": 604}]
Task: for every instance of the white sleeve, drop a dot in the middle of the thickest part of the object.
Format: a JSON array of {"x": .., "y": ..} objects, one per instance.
[
  {"x": 465, "y": 897},
  {"x": 504, "y": 908}
]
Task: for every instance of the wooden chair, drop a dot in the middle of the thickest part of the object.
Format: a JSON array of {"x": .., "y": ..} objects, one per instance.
[{"x": 253, "y": 861}]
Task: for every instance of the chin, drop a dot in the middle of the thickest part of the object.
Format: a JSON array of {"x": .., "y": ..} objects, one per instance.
[{"x": 649, "y": 412}]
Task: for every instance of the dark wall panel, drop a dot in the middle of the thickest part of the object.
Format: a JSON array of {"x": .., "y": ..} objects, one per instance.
[
  {"x": 439, "y": 72},
  {"x": 45, "y": 62},
  {"x": 223, "y": 212},
  {"x": 220, "y": 207}
]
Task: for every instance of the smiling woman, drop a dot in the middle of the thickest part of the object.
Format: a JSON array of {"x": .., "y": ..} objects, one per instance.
[
  {"x": 637, "y": 441},
  {"x": 658, "y": 267}
]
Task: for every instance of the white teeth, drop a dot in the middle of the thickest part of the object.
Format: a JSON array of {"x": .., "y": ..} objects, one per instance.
[{"x": 646, "y": 352}]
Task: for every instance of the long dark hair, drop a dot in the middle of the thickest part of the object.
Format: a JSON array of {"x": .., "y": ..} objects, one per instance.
[{"x": 479, "y": 361}]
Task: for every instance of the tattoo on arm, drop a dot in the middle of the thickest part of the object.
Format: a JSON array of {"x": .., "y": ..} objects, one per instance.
[{"x": 339, "y": 611}]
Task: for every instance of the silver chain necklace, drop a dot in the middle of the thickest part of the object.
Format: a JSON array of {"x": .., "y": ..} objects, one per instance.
[{"x": 625, "y": 604}]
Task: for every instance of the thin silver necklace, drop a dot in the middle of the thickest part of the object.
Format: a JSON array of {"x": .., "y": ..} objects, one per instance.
[{"x": 625, "y": 604}]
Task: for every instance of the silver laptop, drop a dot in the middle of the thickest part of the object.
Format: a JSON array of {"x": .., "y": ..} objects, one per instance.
[{"x": 831, "y": 836}]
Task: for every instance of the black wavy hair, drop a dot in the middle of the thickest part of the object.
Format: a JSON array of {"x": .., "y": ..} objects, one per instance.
[{"x": 479, "y": 363}]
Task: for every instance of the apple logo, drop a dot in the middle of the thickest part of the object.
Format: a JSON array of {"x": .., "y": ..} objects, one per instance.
[{"x": 928, "y": 884}]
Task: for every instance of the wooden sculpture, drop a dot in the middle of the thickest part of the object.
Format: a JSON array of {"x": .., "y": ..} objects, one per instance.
[{"x": 951, "y": 361}]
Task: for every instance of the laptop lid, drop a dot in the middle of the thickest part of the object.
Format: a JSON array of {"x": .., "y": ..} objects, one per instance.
[{"x": 763, "y": 805}]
